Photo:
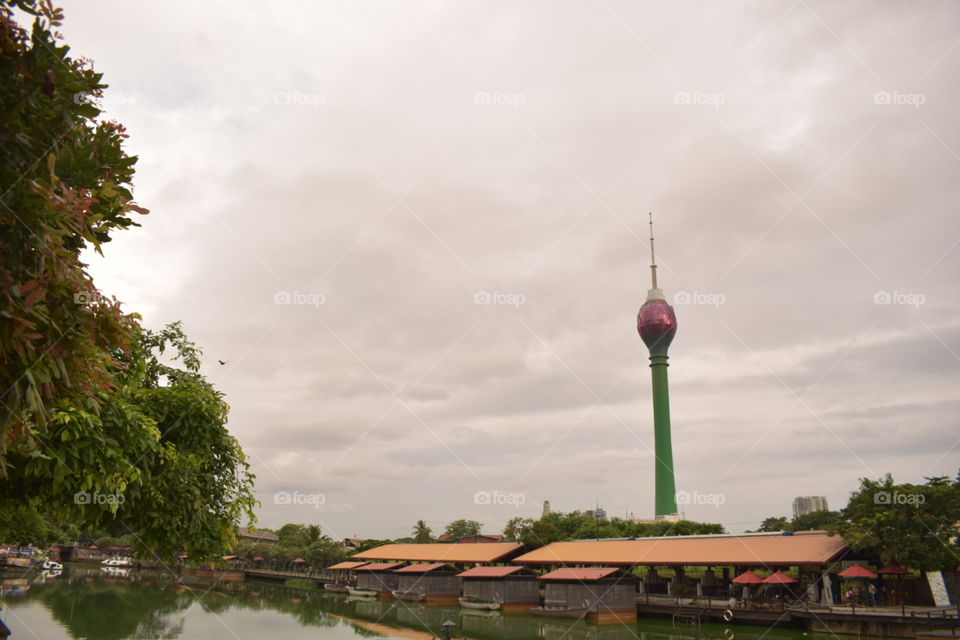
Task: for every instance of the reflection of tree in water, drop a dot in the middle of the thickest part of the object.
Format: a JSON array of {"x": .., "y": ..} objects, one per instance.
[
  {"x": 101, "y": 610},
  {"x": 147, "y": 607}
]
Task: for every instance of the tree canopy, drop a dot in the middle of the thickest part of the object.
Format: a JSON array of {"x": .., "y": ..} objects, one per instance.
[
  {"x": 912, "y": 524},
  {"x": 461, "y": 529},
  {"x": 66, "y": 186},
  {"x": 96, "y": 427},
  {"x": 575, "y": 525}
]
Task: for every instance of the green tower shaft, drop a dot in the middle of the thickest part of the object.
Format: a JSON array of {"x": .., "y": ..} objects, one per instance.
[
  {"x": 657, "y": 325},
  {"x": 665, "y": 486}
]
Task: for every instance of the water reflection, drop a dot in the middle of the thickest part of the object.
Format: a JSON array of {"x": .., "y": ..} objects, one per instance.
[{"x": 85, "y": 603}]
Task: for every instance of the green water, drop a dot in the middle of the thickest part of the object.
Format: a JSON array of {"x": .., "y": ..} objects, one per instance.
[{"x": 85, "y": 603}]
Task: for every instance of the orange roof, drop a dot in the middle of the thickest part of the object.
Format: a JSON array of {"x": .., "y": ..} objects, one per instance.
[
  {"x": 579, "y": 574},
  {"x": 381, "y": 566},
  {"x": 421, "y": 568},
  {"x": 475, "y": 552},
  {"x": 345, "y": 565},
  {"x": 777, "y": 549},
  {"x": 489, "y": 572}
]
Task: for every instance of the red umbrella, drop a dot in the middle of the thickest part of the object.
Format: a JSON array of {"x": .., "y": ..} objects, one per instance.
[
  {"x": 299, "y": 560},
  {"x": 857, "y": 571},
  {"x": 258, "y": 559},
  {"x": 748, "y": 577},
  {"x": 894, "y": 570},
  {"x": 779, "y": 578},
  {"x": 93, "y": 546}
]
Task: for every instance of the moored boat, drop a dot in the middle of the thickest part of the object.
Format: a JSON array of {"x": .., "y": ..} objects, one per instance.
[
  {"x": 50, "y": 565},
  {"x": 475, "y": 603},
  {"x": 119, "y": 563},
  {"x": 332, "y": 587},
  {"x": 355, "y": 591},
  {"x": 409, "y": 596}
]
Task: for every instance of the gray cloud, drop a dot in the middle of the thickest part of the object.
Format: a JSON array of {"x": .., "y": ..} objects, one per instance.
[{"x": 395, "y": 162}]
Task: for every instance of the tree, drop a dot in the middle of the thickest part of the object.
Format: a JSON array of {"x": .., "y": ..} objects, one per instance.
[
  {"x": 66, "y": 186},
  {"x": 422, "y": 533},
  {"x": 515, "y": 528},
  {"x": 823, "y": 519},
  {"x": 914, "y": 525},
  {"x": 371, "y": 543},
  {"x": 462, "y": 529},
  {"x": 775, "y": 523},
  {"x": 155, "y": 461}
]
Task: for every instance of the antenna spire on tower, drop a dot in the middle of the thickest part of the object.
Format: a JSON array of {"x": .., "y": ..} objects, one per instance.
[{"x": 653, "y": 260}]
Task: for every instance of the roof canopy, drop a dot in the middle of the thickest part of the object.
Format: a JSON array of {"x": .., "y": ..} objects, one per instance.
[
  {"x": 748, "y": 577},
  {"x": 422, "y": 568},
  {"x": 380, "y": 566},
  {"x": 894, "y": 570},
  {"x": 475, "y": 552},
  {"x": 777, "y": 549},
  {"x": 345, "y": 565},
  {"x": 489, "y": 572},
  {"x": 582, "y": 575},
  {"x": 779, "y": 578},
  {"x": 857, "y": 571}
]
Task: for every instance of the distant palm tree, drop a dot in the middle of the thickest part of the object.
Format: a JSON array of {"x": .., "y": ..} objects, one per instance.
[{"x": 421, "y": 533}]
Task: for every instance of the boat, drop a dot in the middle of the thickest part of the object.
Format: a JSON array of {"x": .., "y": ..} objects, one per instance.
[
  {"x": 474, "y": 603},
  {"x": 558, "y": 612},
  {"x": 116, "y": 571},
  {"x": 117, "y": 562},
  {"x": 50, "y": 565},
  {"x": 356, "y": 591},
  {"x": 333, "y": 587},
  {"x": 409, "y": 596}
]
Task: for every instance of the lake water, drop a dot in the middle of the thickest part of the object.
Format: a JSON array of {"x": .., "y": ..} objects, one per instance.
[{"x": 86, "y": 603}]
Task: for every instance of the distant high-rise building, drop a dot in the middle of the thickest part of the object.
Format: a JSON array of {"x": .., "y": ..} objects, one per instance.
[
  {"x": 546, "y": 509},
  {"x": 802, "y": 505},
  {"x": 599, "y": 513}
]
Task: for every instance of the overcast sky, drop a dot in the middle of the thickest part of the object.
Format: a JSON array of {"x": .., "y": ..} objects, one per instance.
[{"x": 336, "y": 189}]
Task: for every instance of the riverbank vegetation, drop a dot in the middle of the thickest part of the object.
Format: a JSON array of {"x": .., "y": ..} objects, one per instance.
[{"x": 104, "y": 424}]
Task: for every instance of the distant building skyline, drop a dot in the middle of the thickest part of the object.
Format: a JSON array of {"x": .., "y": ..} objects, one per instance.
[{"x": 803, "y": 505}]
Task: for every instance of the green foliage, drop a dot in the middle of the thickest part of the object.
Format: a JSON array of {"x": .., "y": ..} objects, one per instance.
[
  {"x": 22, "y": 524},
  {"x": 914, "y": 525},
  {"x": 575, "y": 525},
  {"x": 66, "y": 186},
  {"x": 371, "y": 543},
  {"x": 775, "y": 523},
  {"x": 300, "y": 583},
  {"x": 422, "y": 533},
  {"x": 156, "y": 461},
  {"x": 817, "y": 521},
  {"x": 462, "y": 528},
  {"x": 515, "y": 527}
]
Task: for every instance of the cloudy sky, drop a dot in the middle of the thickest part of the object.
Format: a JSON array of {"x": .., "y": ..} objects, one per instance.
[{"x": 416, "y": 232}]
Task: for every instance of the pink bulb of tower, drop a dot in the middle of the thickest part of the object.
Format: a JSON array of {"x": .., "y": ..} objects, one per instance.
[{"x": 656, "y": 323}]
